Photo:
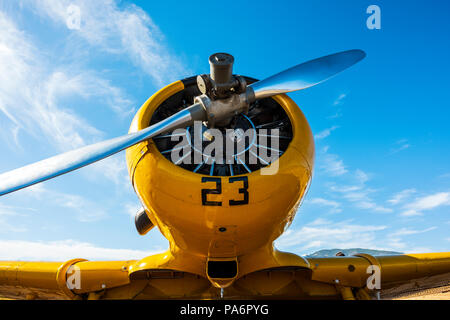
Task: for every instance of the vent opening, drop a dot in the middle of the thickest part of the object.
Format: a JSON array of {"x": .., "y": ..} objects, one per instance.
[{"x": 222, "y": 269}]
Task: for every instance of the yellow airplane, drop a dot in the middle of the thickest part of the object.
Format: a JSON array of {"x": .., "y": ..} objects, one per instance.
[{"x": 221, "y": 218}]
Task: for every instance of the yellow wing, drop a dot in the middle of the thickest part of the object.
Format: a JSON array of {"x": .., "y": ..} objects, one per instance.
[
  {"x": 76, "y": 278},
  {"x": 336, "y": 278},
  {"x": 351, "y": 274}
]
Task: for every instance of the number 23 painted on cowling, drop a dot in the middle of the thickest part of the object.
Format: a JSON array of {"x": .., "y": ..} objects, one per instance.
[{"x": 218, "y": 190}]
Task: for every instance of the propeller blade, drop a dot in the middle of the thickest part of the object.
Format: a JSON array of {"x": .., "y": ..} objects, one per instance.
[
  {"x": 296, "y": 78},
  {"x": 63, "y": 163},
  {"x": 306, "y": 74}
]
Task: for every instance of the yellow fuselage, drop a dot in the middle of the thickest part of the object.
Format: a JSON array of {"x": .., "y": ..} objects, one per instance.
[{"x": 172, "y": 197}]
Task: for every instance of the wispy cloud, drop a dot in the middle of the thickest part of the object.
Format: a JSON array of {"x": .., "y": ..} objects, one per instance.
[
  {"x": 114, "y": 168},
  {"x": 64, "y": 250},
  {"x": 326, "y": 234},
  {"x": 30, "y": 90},
  {"x": 38, "y": 83},
  {"x": 361, "y": 176},
  {"x": 10, "y": 218},
  {"x": 339, "y": 99},
  {"x": 362, "y": 199},
  {"x": 401, "y": 196},
  {"x": 396, "y": 241},
  {"x": 325, "y": 133},
  {"x": 5, "y": 226},
  {"x": 83, "y": 209},
  {"x": 131, "y": 208},
  {"x": 361, "y": 195},
  {"x": 425, "y": 203},
  {"x": 331, "y": 163},
  {"x": 354, "y": 189},
  {"x": 34, "y": 92},
  {"x": 125, "y": 30},
  {"x": 358, "y": 193},
  {"x": 323, "y": 233},
  {"x": 334, "y": 205},
  {"x": 400, "y": 145},
  {"x": 7, "y": 210},
  {"x": 407, "y": 231}
]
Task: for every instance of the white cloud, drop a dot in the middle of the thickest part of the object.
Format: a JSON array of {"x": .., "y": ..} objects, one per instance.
[
  {"x": 125, "y": 30},
  {"x": 401, "y": 196},
  {"x": 335, "y": 206},
  {"x": 7, "y": 210},
  {"x": 339, "y": 99},
  {"x": 32, "y": 97},
  {"x": 369, "y": 204},
  {"x": 84, "y": 209},
  {"x": 361, "y": 176},
  {"x": 64, "y": 250},
  {"x": 337, "y": 102},
  {"x": 113, "y": 168},
  {"x": 319, "y": 221},
  {"x": 87, "y": 84},
  {"x": 326, "y": 234},
  {"x": 131, "y": 208},
  {"x": 325, "y": 133},
  {"x": 396, "y": 243},
  {"x": 430, "y": 202},
  {"x": 322, "y": 234},
  {"x": 395, "y": 240},
  {"x": 13, "y": 213},
  {"x": 359, "y": 195},
  {"x": 37, "y": 83},
  {"x": 29, "y": 92},
  {"x": 400, "y": 145},
  {"x": 417, "y": 250},
  {"x": 331, "y": 164},
  {"x": 407, "y": 232},
  {"x": 363, "y": 201},
  {"x": 7, "y": 227}
]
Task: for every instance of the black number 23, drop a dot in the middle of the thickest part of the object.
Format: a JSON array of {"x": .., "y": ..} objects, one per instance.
[{"x": 218, "y": 190}]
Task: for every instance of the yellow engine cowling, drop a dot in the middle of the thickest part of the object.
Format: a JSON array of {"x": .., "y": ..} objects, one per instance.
[{"x": 172, "y": 196}]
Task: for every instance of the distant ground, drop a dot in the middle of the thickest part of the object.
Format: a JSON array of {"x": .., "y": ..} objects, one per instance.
[
  {"x": 349, "y": 252},
  {"x": 428, "y": 288}
]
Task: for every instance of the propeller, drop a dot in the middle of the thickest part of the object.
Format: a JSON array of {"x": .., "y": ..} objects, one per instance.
[
  {"x": 296, "y": 78},
  {"x": 63, "y": 163},
  {"x": 306, "y": 74}
]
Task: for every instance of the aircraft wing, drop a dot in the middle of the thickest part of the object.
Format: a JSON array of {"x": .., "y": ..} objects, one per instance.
[
  {"x": 325, "y": 278},
  {"x": 76, "y": 278},
  {"x": 351, "y": 274}
]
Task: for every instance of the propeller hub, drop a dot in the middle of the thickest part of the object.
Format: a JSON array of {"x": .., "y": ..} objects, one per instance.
[
  {"x": 221, "y": 83},
  {"x": 221, "y": 67}
]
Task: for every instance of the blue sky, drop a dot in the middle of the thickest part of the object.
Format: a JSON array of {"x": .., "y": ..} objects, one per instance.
[{"x": 382, "y": 174}]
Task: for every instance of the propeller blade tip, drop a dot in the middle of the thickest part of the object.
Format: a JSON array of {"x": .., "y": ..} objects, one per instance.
[{"x": 361, "y": 54}]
